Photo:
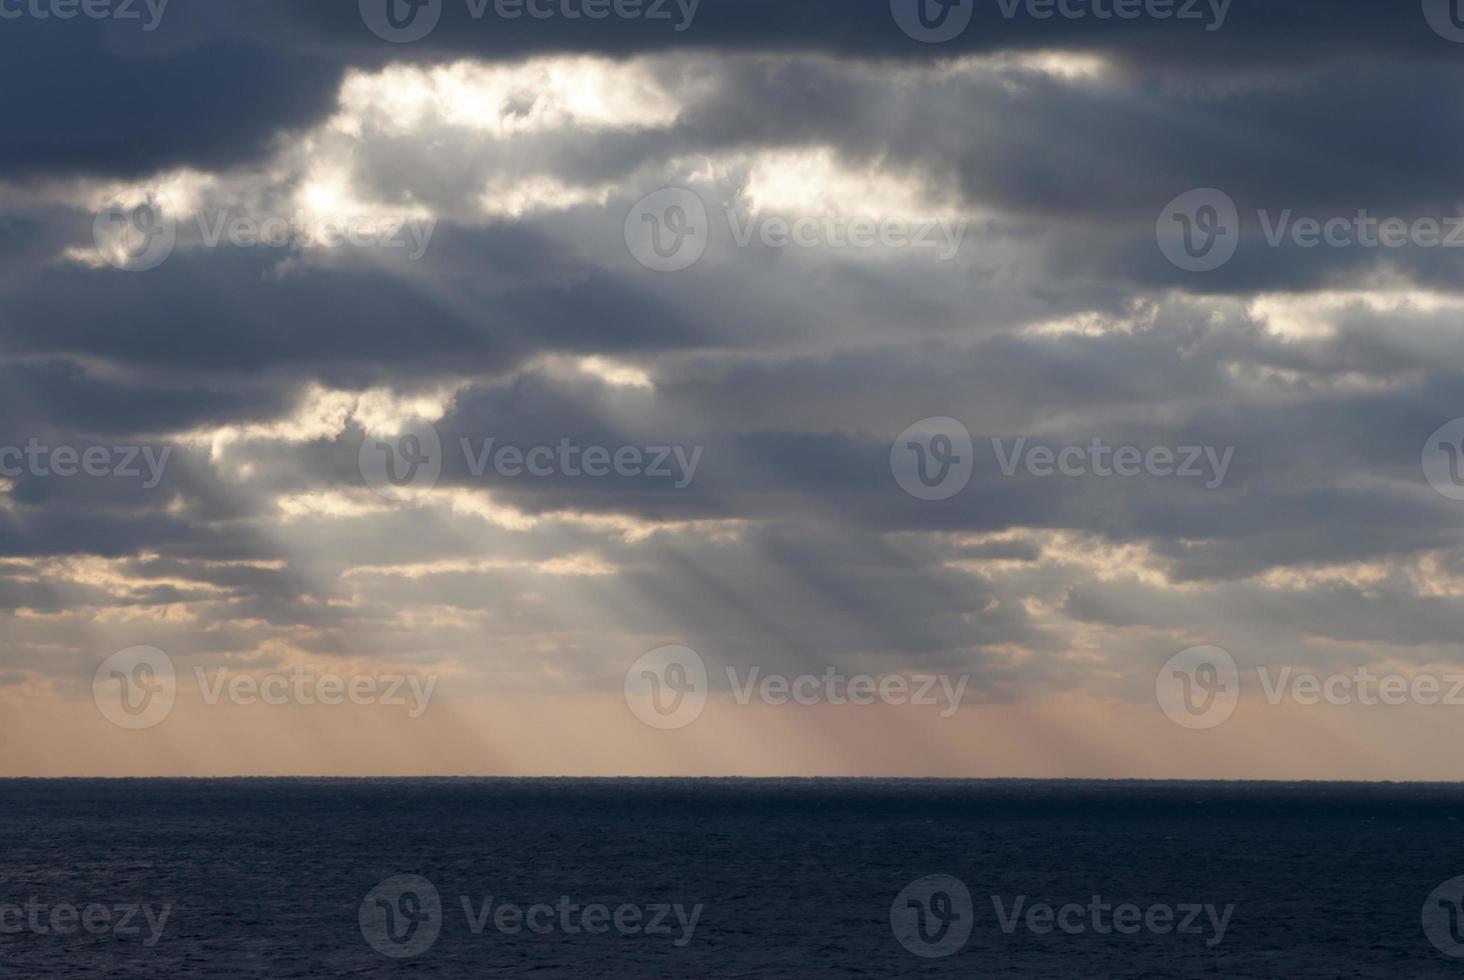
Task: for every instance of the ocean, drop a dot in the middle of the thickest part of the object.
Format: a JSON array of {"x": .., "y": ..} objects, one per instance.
[{"x": 446, "y": 878}]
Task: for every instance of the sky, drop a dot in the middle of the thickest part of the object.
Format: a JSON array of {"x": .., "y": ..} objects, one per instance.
[{"x": 734, "y": 387}]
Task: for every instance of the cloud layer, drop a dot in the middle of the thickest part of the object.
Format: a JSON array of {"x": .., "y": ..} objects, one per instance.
[{"x": 1033, "y": 156}]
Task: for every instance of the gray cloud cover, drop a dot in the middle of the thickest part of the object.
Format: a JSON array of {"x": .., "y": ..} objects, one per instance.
[{"x": 793, "y": 369}]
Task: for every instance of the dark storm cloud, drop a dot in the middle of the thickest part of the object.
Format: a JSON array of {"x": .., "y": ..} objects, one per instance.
[
  {"x": 1254, "y": 33},
  {"x": 106, "y": 97},
  {"x": 487, "y": 297},
  {"x": 1092, "y": 161},
  {"x": 792, "y": 437},
  {"x": 1076, "y": 168},
  {"x": 1291, "y": 493},
  {"x": 496, "y": 296},
  {"x": 216, "y": 79},
  {"x": 57, "y": 531},
  {"x": 51, "y": 397}
]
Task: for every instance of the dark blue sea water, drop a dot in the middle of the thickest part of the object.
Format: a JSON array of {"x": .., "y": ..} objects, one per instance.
[{"x": 726, "y": 878}]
